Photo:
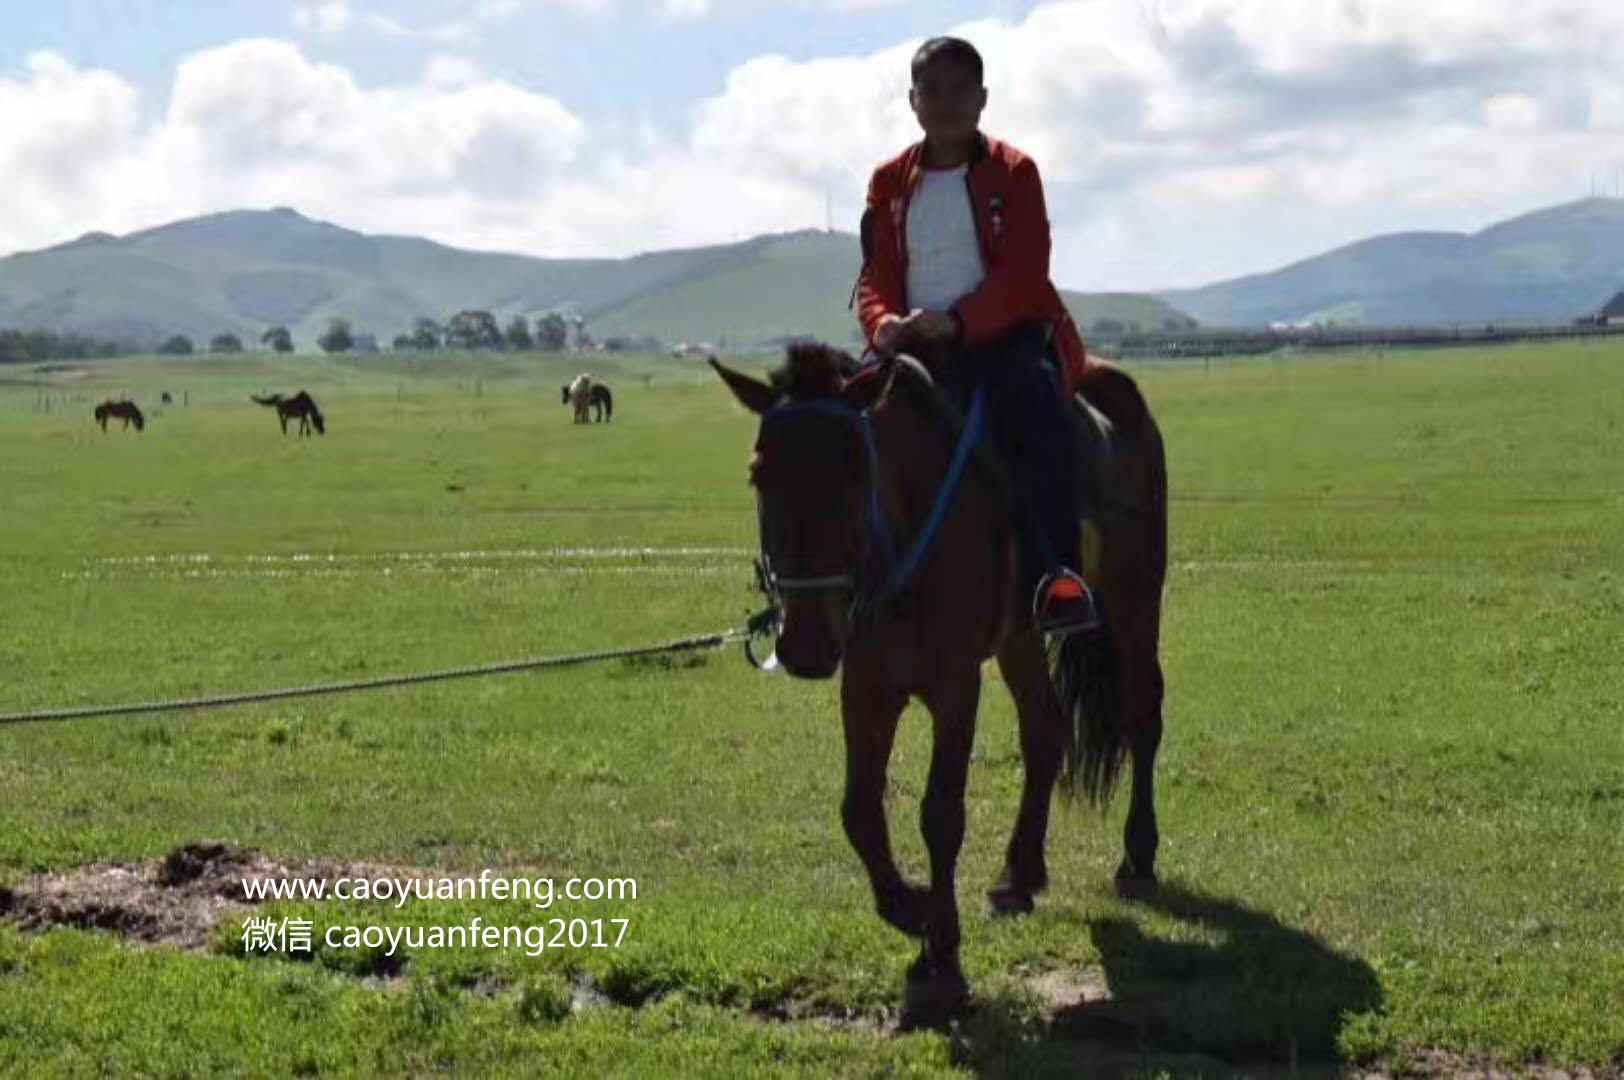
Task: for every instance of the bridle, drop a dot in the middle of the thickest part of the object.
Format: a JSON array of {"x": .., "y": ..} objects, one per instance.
[{"x": 881, "y": 574}]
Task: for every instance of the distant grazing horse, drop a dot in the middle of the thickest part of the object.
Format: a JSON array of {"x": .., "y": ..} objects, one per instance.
[
  {"x": 601, "y": 400},
  {"x": 166, "y": 399},
  {"x": 301, "y": 406},
  {"x": 849, "y": 471},
  {"x": 124, "y": 410},
  {"x": 579, "y": 394}
]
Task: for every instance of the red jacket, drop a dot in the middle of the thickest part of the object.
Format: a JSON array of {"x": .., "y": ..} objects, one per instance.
[{"x": 1012, "y": 224}]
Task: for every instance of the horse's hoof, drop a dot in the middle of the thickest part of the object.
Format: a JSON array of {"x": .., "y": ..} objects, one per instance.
[
  {"x": 934, "y": 999},
  {"x": 1006, "y": 899},
  {"x": 907, "y": 908},
  {"x": 1132, "y": 885}
]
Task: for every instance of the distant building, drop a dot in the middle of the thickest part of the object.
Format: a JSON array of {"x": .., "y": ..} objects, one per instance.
[{"x": 1613, "y": 313}]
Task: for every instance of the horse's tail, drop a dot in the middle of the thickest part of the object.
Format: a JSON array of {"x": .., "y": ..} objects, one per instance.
[
  {"x": 1085, "y": 670},
  {"x": 1086, "y": 677},
  {"x": 274, "y": 399},
  {"x": 608, "y": 403}
]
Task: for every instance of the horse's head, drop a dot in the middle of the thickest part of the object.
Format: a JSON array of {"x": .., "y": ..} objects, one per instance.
[{"x": 813, "y": 472}]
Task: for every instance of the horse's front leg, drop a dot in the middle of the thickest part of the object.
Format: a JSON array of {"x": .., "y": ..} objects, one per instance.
[
  {"x": 870, "y": 707},
  {"x": 937, "y": 987}
]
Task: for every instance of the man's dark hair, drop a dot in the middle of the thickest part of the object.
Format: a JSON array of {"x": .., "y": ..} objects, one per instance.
[{"x": 947, "y": 48}]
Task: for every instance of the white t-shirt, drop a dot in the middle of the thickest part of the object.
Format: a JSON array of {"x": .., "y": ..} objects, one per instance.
[{"x": 944, "y": 259}]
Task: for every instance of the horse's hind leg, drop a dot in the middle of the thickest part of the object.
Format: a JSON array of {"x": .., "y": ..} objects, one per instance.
[
  {"x": 1141, "y": 704},
  {"x": 1043, "y": 737},
  {"x": 870, "y": 708}
]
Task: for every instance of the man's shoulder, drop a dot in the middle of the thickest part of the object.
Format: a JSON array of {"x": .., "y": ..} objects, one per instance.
[
  {"x": 1007, "y": 154},
  {"x": 891, "y": 170}
]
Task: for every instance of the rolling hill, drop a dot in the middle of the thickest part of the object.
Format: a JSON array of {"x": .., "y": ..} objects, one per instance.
[
  {"x": 241, "y": 271},
  {"x": 1554, "y": 264}
]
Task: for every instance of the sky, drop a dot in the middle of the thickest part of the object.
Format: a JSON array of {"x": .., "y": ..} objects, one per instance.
[{"x": 1180, "y": 141}]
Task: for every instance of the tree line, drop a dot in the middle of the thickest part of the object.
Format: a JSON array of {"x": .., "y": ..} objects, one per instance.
[
  {"x": 470, "y": 329},
  {"x": 34, "y": 346},
  {"x": 475, "y": 329}
]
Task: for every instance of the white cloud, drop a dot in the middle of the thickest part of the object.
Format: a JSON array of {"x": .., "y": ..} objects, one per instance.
[
  {"x": 1181, "y": 140},
  {"x": 327, "y": 18},
  {"x": 678, "y": 9},
  {"x": 323, "y": 16},
  {"x": 255, "y": 123},
  {"x": 67, "y": 129}
]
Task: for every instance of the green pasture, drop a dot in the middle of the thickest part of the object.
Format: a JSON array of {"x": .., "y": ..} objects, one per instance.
[{"x": 1391, "y": 786}]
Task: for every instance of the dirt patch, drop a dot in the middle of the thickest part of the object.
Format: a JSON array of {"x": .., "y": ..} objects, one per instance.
[
  {"x": 1079, "y": 1005},
  {"x": 1078, "y": 1010},
  {"x": 1059, "y": 990},
  {"x": 1440, "y": 1063},
  {"x": 176, "y": 900}
]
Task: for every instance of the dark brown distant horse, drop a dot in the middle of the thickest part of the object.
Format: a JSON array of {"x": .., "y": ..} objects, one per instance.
[
  {"x": 124, "y": 410},
  {"x": 848, "y": 469},
  {"x": 299, "y": 406}
]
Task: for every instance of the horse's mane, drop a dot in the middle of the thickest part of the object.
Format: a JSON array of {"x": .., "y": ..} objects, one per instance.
[{"x": 810, "y": 370}]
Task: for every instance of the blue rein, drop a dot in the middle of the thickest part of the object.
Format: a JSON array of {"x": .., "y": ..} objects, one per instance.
[{"x": 898, "y": 572}]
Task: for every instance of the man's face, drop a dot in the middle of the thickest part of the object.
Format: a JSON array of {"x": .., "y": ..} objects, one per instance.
[{"x": 948, "y": 99}]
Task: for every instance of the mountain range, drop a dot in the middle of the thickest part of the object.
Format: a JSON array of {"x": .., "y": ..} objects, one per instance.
[
  {"x": 1552, "y": 265},
  {"x": 245, "y": 270}
]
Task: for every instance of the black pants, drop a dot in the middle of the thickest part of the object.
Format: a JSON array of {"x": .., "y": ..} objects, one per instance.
[{"x": 1034, "y": 432}]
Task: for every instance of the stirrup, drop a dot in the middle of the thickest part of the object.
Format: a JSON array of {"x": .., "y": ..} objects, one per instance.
[{"x": 1063, "y": 603}]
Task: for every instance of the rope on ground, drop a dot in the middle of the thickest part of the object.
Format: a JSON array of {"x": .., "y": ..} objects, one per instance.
[{"x": 706, "y": 641}]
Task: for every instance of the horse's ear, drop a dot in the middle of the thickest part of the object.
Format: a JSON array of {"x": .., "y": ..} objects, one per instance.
[
  {"x": 870, "y": 386},
  {"x": 753, "y": 394}
]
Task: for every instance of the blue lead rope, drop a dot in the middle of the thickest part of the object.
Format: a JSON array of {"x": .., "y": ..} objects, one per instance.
[{"x": 944, "y": 498}]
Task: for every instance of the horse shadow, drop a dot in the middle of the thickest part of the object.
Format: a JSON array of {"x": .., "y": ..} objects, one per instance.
[{"x": 1251, "y": 997}]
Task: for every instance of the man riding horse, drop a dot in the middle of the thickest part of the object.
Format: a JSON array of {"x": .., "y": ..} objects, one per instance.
[
  {"x": 904, "y": 557},
  {"x": 956, "y": 254}
]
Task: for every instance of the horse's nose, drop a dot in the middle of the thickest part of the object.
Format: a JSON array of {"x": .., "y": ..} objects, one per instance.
[{"x": 813, "y": 637}]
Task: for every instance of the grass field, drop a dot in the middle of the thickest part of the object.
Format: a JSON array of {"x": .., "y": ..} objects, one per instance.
[{"x": 1391, "y": 788}]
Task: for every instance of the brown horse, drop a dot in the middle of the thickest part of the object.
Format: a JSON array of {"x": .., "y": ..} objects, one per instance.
[
  {"x": 124, "y": 410},
  {"x": 842, "y": 462},
  {"x": 300, "y": 406}
]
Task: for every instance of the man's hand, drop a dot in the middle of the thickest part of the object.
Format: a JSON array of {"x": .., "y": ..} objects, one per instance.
[
  {"x": 890, "y": 334},
  {"x": 896, "y": 332},
  {"x": 935, "y": 326}
]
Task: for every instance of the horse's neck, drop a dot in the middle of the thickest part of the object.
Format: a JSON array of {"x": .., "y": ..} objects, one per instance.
[{"x": 914, "y": 455}]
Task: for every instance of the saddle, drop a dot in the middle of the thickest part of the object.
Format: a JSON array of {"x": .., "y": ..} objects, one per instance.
[{"x": 942, "y": 392}]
